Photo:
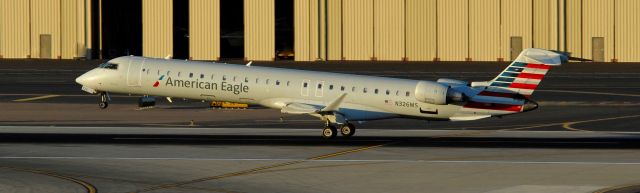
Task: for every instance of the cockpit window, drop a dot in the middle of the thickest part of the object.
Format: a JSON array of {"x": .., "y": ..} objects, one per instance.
[{"x": 109, "y": 66}]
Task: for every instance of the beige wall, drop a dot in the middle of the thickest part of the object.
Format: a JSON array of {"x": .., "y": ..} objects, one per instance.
[
  {"x": 204, "y": 30},
  {"x": 259, "y": 29},
  {"x": 334, "y": 29},
  {"x": 421, "y": 31},
  {"x": 45, "y": 19},
  {"x": 453, "y": 23},
  {"x": 545, "y": 21},
  {"x": 357, "y": 37},
  {"x": 598, "y": 22},
  {"x": 516, "y": 21},
  {"x": 309, "y": 44},
  {"x": 484, "y": 30},
  {"x": 573, "y": 26},
  {"x": 157, "y": 28},
  {"x": 389, "y": 38},
  {"x": 68, "y": 29},
  {"x": 627, "y": 30},
  {"x": 14, "y": 29}
]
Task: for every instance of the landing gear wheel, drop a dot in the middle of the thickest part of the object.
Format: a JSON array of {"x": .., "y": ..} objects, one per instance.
[
  {"x": 102, "y": 101},
  {"x": 103, "y": 105},
  {"x": 329, "y": 132},
  {"x": 347, "y": 130}
]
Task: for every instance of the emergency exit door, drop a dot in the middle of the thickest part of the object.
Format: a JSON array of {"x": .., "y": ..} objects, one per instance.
[{"x": 597, "y": 45}]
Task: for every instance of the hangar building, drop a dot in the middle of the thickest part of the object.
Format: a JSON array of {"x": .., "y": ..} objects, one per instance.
[{"x": 393, "y": 30}]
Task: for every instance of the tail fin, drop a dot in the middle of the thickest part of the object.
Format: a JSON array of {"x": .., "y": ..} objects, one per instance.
[{"x": 525, "y": 73}]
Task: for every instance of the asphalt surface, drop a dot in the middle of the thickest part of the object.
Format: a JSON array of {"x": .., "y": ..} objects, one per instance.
[{"x": 53, "y": 138}]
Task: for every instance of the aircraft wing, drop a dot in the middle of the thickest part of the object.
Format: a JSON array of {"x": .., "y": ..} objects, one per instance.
[{"x": 299, "y": 108}]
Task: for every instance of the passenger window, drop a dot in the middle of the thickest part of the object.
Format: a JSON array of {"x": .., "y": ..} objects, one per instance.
[
  {"x": 246, "y": 79},
  {"x": 364, "y": 90},
  {"x": 211, "y": 76},
  {"x": 288, "y": 83},
  {"x": 143, "y": 70},
  {"x": 257, "y": 79},
  {"x": 179, "y": 74},
  {"x": 341, "y": 88},
  {"x": 190, "y": 75},
  {"x": 234, "y": 78},
  {"x": 201, "y": 76},
  {"x": 158, "y": 72},
  {"x": 267, "y": 82},
  {"x": 353, "y": 89},
  {"x": 305, "y": 85},
  {"x": 331, "y": 87},
  {"x": 224, "y": 77},
  {"x": 375, "y": 91},
  {"x": 408, "y": 93},
  {"x": 277, "y": 82},
  {"x": 168, "y": 73},
  {"x": 319, "y": 86},
  {"x": 387, "y": 92},
  {"x": 397, "y": 93}
]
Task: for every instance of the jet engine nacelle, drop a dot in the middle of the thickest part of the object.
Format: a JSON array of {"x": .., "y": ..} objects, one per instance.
[{"x": 436, "y": 93}]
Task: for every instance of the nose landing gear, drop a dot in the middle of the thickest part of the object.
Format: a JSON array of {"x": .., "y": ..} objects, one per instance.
[{"x": 103, "y": 100}]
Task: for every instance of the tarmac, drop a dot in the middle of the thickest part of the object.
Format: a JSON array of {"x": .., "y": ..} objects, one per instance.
[{"x": 583, "y": 138}]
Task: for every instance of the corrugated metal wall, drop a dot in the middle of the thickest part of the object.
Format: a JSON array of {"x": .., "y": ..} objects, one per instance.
[
  {"x": 573, "y": 34},
  {"x": 45, "y": 20},
  {"x": 421, "y": 30},
  {"x": 545, "y": 21},
  {"x": 453, "y": 24},
  {"x": 389, "y": 28},
  {"x": 68, "y": 31},
  {"x": 309, "y": 41},
  {"x": 259, "y": 30},
  {"x": 598, "y": 22},
  {"x": 357, "y": 30},
  {"x": 484, "y": 30},
  {"x": 301, "y": 29},
  {"x": 14, "y": 29},
  {"x": 204, "y": 29},
  {"x": 516, "y": 22},
  {"x": 334, "y": 29},
  {"x": 157, "y": 28},
  {"x": 627, "y": 30}
]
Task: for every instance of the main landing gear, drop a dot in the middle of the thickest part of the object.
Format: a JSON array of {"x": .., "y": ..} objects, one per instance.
[
  {"x": 103, "y": 100},
  {"x": 330, "y": 131}
]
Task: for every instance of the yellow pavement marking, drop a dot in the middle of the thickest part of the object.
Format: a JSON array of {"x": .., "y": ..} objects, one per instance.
[
  {"x": 36, "y": 98},
  {"x": 568, "y": 125},
  {"x": 90, "y": 188}
]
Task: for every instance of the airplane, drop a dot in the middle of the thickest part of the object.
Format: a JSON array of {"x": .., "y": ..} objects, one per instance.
[{"x": 337, "y": 99}]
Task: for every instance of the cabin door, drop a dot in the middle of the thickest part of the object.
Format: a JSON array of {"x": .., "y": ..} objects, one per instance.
[{"x": 134, "y": 73}]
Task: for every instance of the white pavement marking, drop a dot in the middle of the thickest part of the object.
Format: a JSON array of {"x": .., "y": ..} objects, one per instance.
[{"x": 330, "y": 160}]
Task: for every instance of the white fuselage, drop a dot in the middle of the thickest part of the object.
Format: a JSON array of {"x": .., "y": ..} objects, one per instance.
[{"x": 367, "y": 97}]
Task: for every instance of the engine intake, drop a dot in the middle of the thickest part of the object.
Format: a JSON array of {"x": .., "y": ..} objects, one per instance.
[{"x": 437, "y": 94}]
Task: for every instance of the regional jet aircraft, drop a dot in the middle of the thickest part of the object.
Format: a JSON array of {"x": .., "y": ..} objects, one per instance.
[{"x": 337, "y": 99}]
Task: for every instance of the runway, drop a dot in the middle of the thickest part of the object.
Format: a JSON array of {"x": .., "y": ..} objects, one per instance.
[{"x": 583, "y": 138}]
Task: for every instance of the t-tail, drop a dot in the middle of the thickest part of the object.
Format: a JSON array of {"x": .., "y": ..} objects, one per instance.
[{"x": 524, "y": 74}]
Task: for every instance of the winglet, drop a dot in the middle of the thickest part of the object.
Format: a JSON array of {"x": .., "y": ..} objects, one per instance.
[
  {"x": 249, "y": 64},
  {"x": 335, "y": 104}
]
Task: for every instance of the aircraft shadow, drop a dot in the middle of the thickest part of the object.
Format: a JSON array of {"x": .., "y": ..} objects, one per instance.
[{"x": 621, "y": 142}]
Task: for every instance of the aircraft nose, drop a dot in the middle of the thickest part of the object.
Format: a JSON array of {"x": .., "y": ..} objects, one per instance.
[
  {"x": 82, "y": 79},
  {"x": 529, "y": 105}
]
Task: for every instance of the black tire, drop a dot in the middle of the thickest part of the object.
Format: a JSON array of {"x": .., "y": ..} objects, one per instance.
[
  {"x": 347, "y": 130},
  {"x": 103, "y": 105},
  {"x": 329, "y": 132}
]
